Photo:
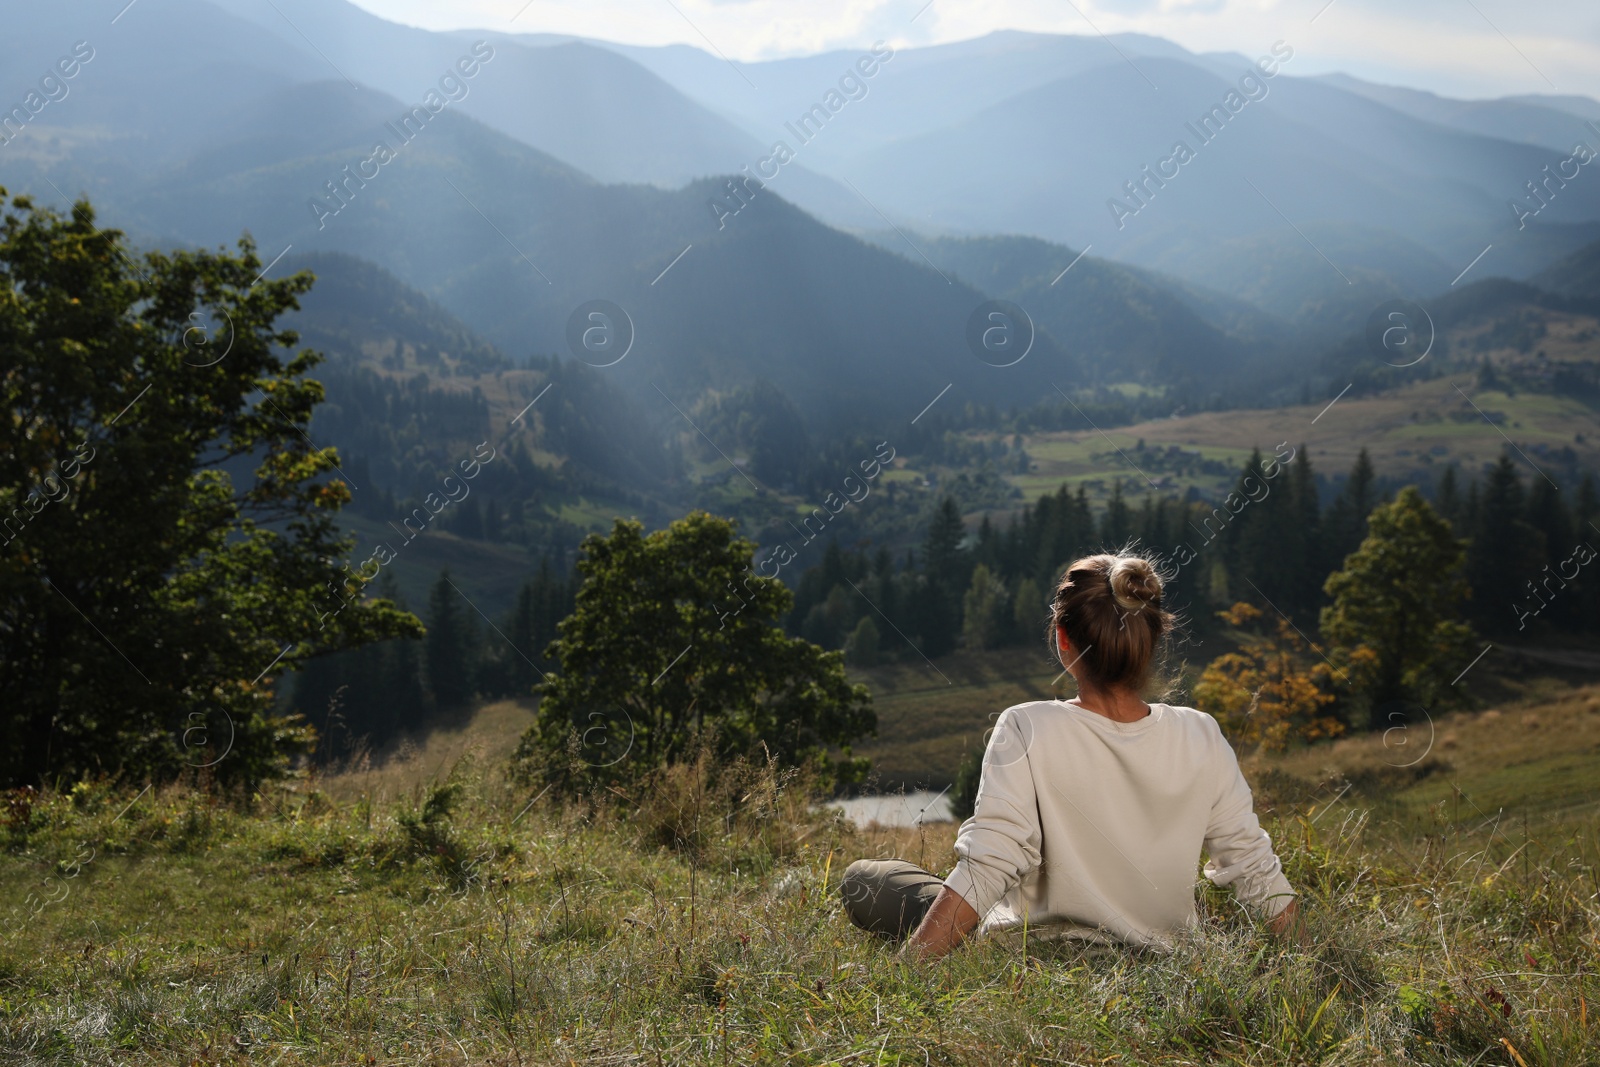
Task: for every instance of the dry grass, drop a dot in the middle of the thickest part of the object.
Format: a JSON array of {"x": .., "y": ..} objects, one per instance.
[
  {"x": 1540, "y": 758},
  {"x": 488, "y": 738},
  {"x": 427, "y": 913},
  {"x": 928, "y": 719}
]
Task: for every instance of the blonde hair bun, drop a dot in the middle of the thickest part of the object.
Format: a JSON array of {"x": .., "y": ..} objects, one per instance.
[{"x": 1134, "y": 583}]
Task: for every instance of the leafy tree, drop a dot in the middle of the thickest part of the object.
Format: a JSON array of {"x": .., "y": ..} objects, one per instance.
[
  {"x": 1027, "y": 610},
  {"x": 673, "y": 642},
  {"x": 171, "y": 544},
  {"x": 1272, "y": 691},
  {"x": 1396, "y": 602},
  {"x": 984, "y": 610},
  {"x": 861, "y": 649}
]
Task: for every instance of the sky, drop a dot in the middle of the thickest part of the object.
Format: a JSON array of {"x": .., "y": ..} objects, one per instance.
[{"x": 1462, "y": 48}]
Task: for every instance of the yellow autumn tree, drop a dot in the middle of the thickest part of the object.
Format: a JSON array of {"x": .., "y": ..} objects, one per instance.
[{"x": 1272, "y": 690}]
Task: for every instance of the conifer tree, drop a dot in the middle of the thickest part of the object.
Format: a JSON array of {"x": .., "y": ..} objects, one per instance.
[
  {"x": 449, "y": 653},
  {"x": 1346, "y": 521},
  {"x": 945, "y": 578},
  {"x": 1506, "y": 551}
]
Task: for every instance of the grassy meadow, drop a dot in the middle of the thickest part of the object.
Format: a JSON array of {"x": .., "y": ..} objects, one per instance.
[
  {"x": 1410, "y": 433},
  {"x": 427, "y": 911}
]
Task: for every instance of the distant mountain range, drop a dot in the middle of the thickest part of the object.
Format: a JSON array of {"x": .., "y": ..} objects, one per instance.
[
  {"x": 524, "y": 175},
  {"x": 1034, "y": 133}
]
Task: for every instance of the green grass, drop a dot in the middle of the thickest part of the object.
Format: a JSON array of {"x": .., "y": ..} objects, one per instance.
[
  {"x": 1381, "y": 423},
  {"x": 590, "y": 515},
  {"x": 379, "y": 918},
  {"x": 478, "y": 567}
]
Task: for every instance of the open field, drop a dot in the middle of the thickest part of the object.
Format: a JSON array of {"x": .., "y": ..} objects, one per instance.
[
  {"x": 928, "y": 717},
  {"x": 1409, "y": 433},
  {"x": 377, "y": 918},
  {"x": 1484, "y": 767}
]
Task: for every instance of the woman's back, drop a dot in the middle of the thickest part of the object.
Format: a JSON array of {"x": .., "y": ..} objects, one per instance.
[
  {"x": 1091, "y": 813},
  {"x": 1097, "y": 825}
]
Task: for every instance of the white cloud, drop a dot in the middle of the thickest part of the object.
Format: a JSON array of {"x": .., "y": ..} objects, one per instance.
[{"x": 1455, "y": 47}]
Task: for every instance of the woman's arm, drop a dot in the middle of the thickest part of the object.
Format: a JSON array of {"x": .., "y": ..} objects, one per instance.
[
  {"x": 1000, "y": 844},
  {"x": 946, "y": 925},
  {"x": 1240, "y": 851}
]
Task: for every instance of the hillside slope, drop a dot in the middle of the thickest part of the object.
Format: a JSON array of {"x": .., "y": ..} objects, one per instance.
[{"x": 1576, "y": 275}]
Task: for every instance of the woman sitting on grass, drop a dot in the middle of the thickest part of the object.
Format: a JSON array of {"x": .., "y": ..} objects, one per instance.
[{"x": 1091, "y": 812}]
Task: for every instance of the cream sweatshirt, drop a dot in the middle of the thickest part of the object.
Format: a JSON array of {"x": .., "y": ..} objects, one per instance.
[{"x": 1093, "y": 828}]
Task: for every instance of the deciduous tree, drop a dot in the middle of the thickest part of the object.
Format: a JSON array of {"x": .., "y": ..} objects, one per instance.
[
  {"x": 1398, "y": 601},
  {"x": 170, "y": 542},
  {"x": 1274, "y": 690},
  {"x": 674, "y": 641}
]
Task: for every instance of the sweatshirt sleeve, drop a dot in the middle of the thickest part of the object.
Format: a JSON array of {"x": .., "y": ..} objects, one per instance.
[
  {"x": 1239, "y": 850},
  {"x": 1000, "y": 843}
]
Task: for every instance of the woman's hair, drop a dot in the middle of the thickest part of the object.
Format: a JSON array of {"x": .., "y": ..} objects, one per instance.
[{"x": 1110, "y": 606}]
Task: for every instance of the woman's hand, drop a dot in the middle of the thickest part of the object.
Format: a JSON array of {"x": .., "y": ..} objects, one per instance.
[
  {"x": 946, "y": 925},
  {"x": 1288, "y": 923}
]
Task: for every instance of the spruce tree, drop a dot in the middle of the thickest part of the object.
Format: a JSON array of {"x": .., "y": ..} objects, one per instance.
[
  {"x": 525, "y": 650},
  {"x": 945, "y": 579},
  {"x": 1548, "y": 513},
  {"x": 448, "y": 652},
  {"x": 1346, "y": 523},
  {"x": 1116, "y": 525},
  {"x": 1448, "y": 500},
  {"x": 1305, "y": 534},
  {"x": 1260, "y": 540},
  {"x": 1506, "y": 552},
  {"x": 469, "y": 520},
  {"x": 1586, "y": 529}
]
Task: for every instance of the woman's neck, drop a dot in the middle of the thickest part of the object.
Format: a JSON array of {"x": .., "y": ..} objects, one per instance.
[{"x": 1118, "y": 705}]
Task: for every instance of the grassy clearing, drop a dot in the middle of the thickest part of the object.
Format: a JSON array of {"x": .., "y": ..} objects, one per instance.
[
  {"x": 479, "y": 567},
  {"x": 427, "y": 912},
  {"x": 929, "y": 716},
  {"x": 1540, "y": 757},
  {"x": 1407, "y": 431}
]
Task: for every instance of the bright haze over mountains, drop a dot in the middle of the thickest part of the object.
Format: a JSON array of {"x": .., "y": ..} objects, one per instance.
[
  {"x": 765, "y": 218},
  {"x": 800, "y": 225},
  {"x": 1486, "y": 48}
]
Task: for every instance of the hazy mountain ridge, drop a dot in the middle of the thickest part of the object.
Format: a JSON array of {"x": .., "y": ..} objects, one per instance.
[
  {"x": 512, "y": 239},
  {"x": 1577, "y": 275}
]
